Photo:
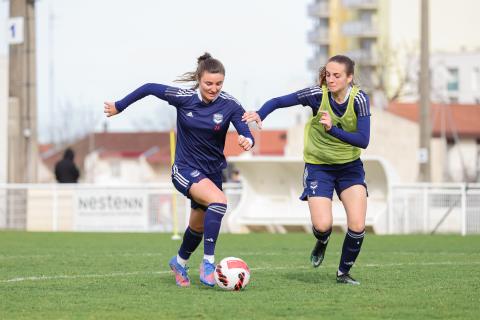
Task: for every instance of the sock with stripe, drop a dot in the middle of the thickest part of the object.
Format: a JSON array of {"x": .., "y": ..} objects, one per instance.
[
  {"x": 213, "y": 220},
  {"x": 191, "y": 240},
  {"x": 350, "y": 250}
]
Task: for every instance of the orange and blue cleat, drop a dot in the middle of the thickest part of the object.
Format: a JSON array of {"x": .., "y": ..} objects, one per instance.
[{"x": 181, "y": 273}]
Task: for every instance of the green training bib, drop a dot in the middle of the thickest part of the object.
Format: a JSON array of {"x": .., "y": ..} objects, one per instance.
[{"x": 322, "y": 148}]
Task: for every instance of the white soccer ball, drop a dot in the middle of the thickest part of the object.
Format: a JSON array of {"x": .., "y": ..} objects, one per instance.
[{"x": 232, "y": 274}]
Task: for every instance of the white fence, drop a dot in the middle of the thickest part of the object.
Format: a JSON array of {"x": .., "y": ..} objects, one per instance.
[
  {"x": 412, "y": 208},
  {"x": 434, "y": 208},
  {"x": 84, "y": 207}
]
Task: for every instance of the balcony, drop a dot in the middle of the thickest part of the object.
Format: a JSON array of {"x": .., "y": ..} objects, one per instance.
[
  {"x": 361, "y": 4},
  {"x": 363, "y": 57},
  {"x": 318, "y": 36},
  {"x": 360, "y": 29},
  {"x": 319, "y": 9}
]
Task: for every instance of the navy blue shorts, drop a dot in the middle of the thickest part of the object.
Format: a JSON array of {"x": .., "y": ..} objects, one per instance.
[
  {"x": 184, "y": 177},
  {"x": 319, "y": 180}
]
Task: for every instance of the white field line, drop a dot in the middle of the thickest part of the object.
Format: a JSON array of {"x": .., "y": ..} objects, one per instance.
[{"x": 303, "y": 267}]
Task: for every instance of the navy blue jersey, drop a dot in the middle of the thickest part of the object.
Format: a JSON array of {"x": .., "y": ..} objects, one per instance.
[{"x": 201, "y": 127}]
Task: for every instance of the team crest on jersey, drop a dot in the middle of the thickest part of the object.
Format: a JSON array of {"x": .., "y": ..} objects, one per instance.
[
  {"x": 218, "y": 118},
  {"x": 195, "y": 173}
]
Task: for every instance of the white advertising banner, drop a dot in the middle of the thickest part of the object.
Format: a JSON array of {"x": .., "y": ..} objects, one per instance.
[{"x": 111, "y": 210}]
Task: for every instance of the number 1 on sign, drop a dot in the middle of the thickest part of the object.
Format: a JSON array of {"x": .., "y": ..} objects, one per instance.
[{"x": 15, "y": 30}]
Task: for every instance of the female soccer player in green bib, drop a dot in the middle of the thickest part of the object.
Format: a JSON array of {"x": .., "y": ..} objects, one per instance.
[{"x": 339, "y": 128}]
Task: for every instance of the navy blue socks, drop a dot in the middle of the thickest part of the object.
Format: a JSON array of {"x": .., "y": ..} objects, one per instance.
[
  {"x": 350, "y": 250},
  {"x": 213, "y": 220},
  {"x": 191, "y": 240}
]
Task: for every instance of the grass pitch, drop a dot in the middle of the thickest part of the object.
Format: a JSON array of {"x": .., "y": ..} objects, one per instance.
[{"x": 126, "y": 276}]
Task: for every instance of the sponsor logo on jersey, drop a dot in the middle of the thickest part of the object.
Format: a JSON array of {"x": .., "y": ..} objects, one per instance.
[
  {"x": 190, "y": 114},
  {"x": 195, "y": 173},
  {"x": 218, "y": 118}
]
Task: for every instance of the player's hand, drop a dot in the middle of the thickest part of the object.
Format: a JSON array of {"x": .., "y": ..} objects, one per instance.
[
  {"x": 245, "y": 143},
  {"x": 109, "y": 108},
  {"x": 326, "y": 120},
  {"x": 252, "y": 116}
]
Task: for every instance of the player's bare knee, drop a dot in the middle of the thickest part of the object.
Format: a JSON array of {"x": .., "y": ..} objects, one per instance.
[
  {"x": 219, "y": 198},
  {"x": 356, "y": 227},
  {"x": 322, "y": 227},
  {"x": 196, "y": 227}
]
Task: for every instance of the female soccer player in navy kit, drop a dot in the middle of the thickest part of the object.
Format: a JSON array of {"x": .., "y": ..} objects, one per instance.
[
  {"x": 340, "y": 126},
  {"x": 203, "y": 118}
]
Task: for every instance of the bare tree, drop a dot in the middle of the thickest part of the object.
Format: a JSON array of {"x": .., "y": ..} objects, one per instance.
[
  {"x": 160, "y": 117},
  {"x": 399, "y": 64},
  {"x": 75, "y": 121}
]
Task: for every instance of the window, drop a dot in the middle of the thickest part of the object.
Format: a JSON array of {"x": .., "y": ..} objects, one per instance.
[{"x": 453, "y": 79}]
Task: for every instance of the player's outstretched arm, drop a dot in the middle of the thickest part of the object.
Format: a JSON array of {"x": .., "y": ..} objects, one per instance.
[
  {"x": 109, "y": 108},
  {"x": 268, "y": 107}
]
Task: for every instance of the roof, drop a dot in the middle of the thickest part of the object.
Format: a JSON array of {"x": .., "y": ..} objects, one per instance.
[
  {"x": 155, "y": 146},
  {"x": 118, "y": 144},
  {"x": 454, "y": 119}
]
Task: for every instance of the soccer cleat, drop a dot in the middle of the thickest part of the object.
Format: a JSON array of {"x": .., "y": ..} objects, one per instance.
[
  {"x": 181, "y": 273},
  {"x": 207, "y": 270},
  {"x": 347, "y": 279},
  {"x": 318, "y": 253}
]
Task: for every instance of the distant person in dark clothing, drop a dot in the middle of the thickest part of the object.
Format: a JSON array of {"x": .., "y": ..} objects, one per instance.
[{"x": 65, "y": 170}]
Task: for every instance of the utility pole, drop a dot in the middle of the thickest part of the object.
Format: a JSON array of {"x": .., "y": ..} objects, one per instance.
[
  {"x": 22, "y": 129},
  {"x": 424, "y": 155}
]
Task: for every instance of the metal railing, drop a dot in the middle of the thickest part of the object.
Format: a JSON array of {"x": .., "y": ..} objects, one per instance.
[
  {"x": 412, "y": 208},
  {"x": 434, "y": 208}
]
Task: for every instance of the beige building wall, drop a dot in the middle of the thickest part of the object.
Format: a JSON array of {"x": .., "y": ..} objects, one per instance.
[
  {"x": 463, "y": 160},
  {"x": 44, "y": 175},
  {"x": 121, "y": 170},
  {"x": 396, "y": 140}
]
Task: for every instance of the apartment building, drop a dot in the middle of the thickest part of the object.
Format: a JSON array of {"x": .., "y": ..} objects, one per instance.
[{"x": 383, "y": 38}]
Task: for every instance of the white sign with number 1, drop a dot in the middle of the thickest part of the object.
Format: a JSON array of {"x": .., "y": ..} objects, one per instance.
[{"x": 15, "y": 30}]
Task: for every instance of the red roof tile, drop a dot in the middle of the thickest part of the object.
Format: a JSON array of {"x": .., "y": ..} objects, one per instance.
[{"x": 460, "y": 119}]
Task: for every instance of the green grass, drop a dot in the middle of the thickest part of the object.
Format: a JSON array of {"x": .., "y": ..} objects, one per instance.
[{"x": 125, "y": 276}]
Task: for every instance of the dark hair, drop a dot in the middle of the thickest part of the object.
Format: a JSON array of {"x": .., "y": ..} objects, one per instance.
[
  {"x": 205, "y": 63},
  {"x": 349, "y": 67}
]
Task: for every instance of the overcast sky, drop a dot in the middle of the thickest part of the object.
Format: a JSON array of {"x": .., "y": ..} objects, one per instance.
[{"x": 101, "y": 50}]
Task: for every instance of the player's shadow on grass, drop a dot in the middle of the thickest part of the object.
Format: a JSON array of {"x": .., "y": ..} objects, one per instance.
[{"x": 308, "y": 276}]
